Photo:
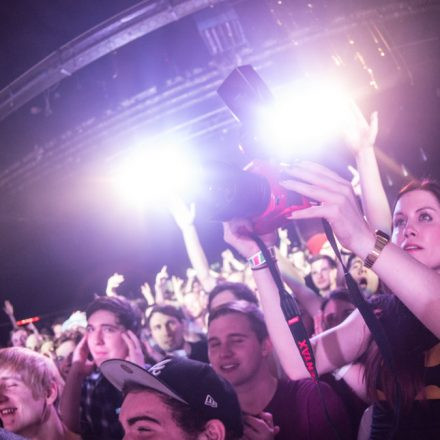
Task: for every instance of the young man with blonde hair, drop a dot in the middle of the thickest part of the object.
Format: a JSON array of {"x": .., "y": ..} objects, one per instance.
[{"x": 30, "y": 389}]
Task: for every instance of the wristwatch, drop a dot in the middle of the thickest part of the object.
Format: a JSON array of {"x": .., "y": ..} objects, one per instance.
[{"x": 382, "y": 240}]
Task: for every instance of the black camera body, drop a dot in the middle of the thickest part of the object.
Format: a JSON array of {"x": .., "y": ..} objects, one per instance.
[{"x": 253, "y": 192}]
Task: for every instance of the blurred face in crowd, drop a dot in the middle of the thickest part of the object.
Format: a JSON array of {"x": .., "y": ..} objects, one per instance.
[
  {"x": 63, "y": 357},
  {"x": 104, "y": 337},
  {"x": 416, "y": 227},
  {"x": 194, "y": 304},
  {"x": 20, "y": 411},
  {"x": 32, "y": 342},
  {"x": 19, "y": 337},
  {"x": 46, "y": 349},
  {"x": 323, "y": 275},
  {"x": 223, "y": 297},
  {"x": 57, "y": 330},
  {"x": 167, "y": 331},
  {"x": 366, "y": 278},
  {"x": 234, "y": 350},
  {"x": 335, "y": 312},
  {"x": 144, "y": 414}
]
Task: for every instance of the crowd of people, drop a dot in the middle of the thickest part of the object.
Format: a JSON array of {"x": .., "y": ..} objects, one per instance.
[{"x": 212, "y": 356}]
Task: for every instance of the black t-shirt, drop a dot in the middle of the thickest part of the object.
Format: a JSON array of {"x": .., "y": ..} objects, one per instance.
[
  {"x": 199, "y": 351},
  {"x": 297, "y": 409},
  {"x": 410, "y": 340}
]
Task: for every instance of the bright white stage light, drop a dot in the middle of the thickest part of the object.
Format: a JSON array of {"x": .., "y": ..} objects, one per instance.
[
  {"x": 303, "y": 116},
  {"x": 153, "y": 174}
]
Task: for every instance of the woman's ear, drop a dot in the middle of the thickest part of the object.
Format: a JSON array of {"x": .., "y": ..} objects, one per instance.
[{"x": 213, "y": 430}]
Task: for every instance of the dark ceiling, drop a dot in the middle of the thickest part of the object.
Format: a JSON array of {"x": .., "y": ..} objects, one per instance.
[{"x": 62, "y": 233}]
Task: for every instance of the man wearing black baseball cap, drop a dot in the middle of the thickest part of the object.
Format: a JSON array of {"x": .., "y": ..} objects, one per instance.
[{"x": 176, "y": 399}]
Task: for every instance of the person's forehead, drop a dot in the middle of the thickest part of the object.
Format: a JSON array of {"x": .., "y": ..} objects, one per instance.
[
  {"x": 230, "y": 323},
  {"x": 159, "y": 317},
  {"x": 356, "y": 261},
  {"x": 337, "y": 304},
  {"x": 8, "y": 373},
  {"x": 103, "y": 317},
  {"x": 415, "y": 200},
  {"x": 223, "y": 297},
  {"x": 145, "y": 402}
]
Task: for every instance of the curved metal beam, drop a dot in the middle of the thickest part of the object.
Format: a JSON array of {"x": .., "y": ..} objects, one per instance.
[{"x": 104, "y": 38}]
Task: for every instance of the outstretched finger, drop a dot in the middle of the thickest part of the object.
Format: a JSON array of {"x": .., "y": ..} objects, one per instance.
[
  {"x": 311, "y": 191},
  {"x": 311, "y": 176},
  {"x": 321, "y": 170}
]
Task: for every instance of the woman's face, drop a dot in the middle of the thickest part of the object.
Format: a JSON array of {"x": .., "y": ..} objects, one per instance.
[{"x": 416, "y": 227}]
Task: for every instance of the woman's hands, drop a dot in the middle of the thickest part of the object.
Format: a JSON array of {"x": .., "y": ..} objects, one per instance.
[{"x": 338, "y": 204}]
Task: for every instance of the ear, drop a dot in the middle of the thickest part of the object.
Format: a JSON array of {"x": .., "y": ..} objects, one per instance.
[
  {"x": 213, "y": 430},
  {"x": 266, "y": 346},
  {"x": 52, "y": 393}
]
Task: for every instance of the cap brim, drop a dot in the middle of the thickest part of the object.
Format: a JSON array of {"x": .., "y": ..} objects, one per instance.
[{"x": 119, "y": 372}]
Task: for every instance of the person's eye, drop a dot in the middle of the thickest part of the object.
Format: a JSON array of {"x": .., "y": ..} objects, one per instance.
[
  {"x": 89, "y": 329},
  {"x": 425, "y": 217},
  {"x": 213, "y": 344},
  {"x": 237, "y": 340},
  {"x": 108, "y": 329},
  {"x": 398, "y": 222},
  {"x": 144, "y": 432}
]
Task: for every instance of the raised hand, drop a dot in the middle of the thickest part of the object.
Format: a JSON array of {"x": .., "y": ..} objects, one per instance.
[
  {"x": 259, "y": 427},
  {"x": 237, "y": 233},
  {"x": 113, "y": 283},
  {"x": 338, "y": 204},
  {"x": 147, "y": 293},
  {"x": 80, "y": 362},
  {"x": 177, "y": 285},
  {"x": 134, "y": 346},
  {"x": 183, "y": 215},
  {"x": 358, "y": 133},
  {"x": 8, "y": 308}
]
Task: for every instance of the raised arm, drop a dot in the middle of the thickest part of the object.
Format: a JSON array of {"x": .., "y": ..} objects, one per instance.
[
  {"x": 184, "y": 217},
  {"x": 294, "y": 279},
  {"x": 417, "y": 285},
  {"x": 333, "y": 349},
  {"x": 113, "y": 283},
  {"x": 71, "y": 396},
  {"x": 361, "y": 137},
  {"x": 9, "y": 310}
]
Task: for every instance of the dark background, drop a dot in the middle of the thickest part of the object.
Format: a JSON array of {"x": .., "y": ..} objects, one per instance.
[{"x": 62, "y": 233}]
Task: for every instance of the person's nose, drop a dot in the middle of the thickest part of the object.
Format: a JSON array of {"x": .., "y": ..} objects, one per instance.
[
  {"x": 225, "y": 350},
  {"x": 97, "y": 337},
  {"x": 410, "y": 230},
  {"x": 3, "y": 395}
]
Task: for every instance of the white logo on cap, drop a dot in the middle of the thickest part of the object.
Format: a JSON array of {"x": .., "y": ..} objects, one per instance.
[
  {"x": 155, "y": 370},
  {"x": 209, "y": 401}
]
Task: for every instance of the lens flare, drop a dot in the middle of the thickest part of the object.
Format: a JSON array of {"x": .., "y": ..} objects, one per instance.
[
  {"x": 153, "y": 174},
  {"x": 304, "y": 115}
]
